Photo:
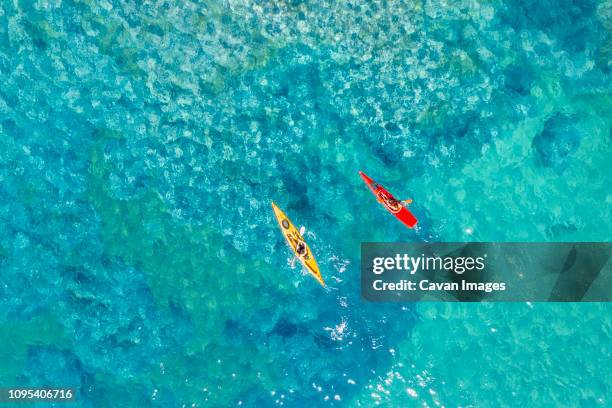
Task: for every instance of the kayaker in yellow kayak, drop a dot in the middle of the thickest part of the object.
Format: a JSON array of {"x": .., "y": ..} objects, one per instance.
[
  {"x": 297, "y": 244},
  {"x": 300, "y": 248},
  {"x": 300, "y": 245}
]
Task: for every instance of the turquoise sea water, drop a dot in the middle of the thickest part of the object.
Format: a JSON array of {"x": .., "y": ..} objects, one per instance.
[{"x": 142, "y": 142}]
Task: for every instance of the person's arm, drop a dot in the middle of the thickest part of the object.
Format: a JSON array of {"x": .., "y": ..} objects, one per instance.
[{"x": 407, "y": 202}]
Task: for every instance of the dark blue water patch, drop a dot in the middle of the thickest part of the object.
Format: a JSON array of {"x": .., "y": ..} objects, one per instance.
[
  {"x": 55, "y": 166},
  {"x": 37, "y": 36},
  {"x": 572, "y": 22},
  {"x": 578, "y": 84},
  {"x": 29, "y": 276},
  {"x": 44, "y": 195},
  {"x": 51, "y": 366},
  {"x": 118, "y": 320},
  {"x": 295, "y": 186},
  {"x": 519, "y": 79},
  {"x": 603, "y": 58},
  {"x": 285, "y": 328},
  {"x": 388, "y": 153},
  {"x": 8, "y": 126},
  {"x": 303, "y": 178},
  {"x": 560, "y": 232},
  {"x": 460, "y": 126},
  {"x": 557, "y": 141}
]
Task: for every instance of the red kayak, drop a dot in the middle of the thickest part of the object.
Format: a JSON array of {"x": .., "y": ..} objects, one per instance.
[{"x": 389, "y": 202}]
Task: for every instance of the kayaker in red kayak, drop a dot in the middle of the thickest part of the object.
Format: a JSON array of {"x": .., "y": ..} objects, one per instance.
[
  {"x": 392, "y": 202},
  {"x": 396, "y": 207}
]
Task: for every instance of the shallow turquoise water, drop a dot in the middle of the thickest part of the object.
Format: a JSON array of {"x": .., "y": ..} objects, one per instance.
[{"x": 141, "y": 145}]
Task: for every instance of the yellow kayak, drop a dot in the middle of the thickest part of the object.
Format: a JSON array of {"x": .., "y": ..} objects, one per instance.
[{"x": 298, "y": 245}]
